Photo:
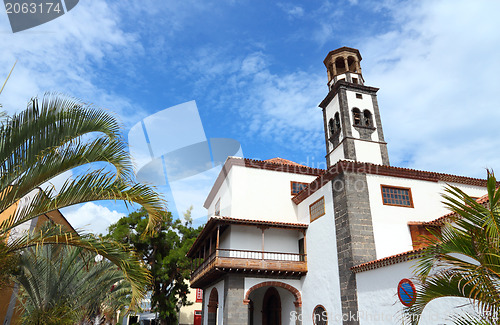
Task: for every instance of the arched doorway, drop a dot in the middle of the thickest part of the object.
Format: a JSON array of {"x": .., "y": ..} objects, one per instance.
[
  {"x": 271, "y": 307},
  {"x": 213, "y": 304}
]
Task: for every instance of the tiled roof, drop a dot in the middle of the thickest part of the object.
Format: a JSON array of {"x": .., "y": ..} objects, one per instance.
[
  {"x": 276, "y": 224},
  {"x": 368, "y": 168},
  {"x": 282, "y": 161},
  {"x": 216, "y": 220},
  {"x": 389, "y": 260}
]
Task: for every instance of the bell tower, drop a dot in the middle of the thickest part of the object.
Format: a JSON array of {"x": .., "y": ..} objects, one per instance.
[{"x": 353, "y": 128}]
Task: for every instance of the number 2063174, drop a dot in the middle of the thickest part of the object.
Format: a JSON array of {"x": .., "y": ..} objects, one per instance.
[{"x": 34, "y": 7}]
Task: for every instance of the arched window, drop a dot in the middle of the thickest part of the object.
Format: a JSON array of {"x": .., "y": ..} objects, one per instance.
[
  {"x": 331, "y": 127},
  {"x": 367, "y": 118},
  {"x": 340, "y": 65},
  {"x": 352, "y": 64},
  {"x": 320, "y": 316},
  {"x": 337, "y": 121},
  {"x": 356, "y": 115}
]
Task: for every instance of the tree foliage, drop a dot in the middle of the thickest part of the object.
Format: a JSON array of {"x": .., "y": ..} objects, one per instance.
[
  {"x": 165, "y": 254},
  {"x": 464, "y": 260}
]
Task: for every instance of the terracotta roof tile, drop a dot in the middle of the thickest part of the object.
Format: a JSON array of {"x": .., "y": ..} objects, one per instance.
[
  {"x": 282, "y": 161},
  {"x": 389, "y": 260}
]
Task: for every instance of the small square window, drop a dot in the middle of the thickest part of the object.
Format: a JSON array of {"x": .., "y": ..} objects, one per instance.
[
  {"x": 317, "y": 209},
  {"x": 397, "y": 196},
  {"x": 354, "y": 80},
  {"x": 359, "y": 96},
  {"x": 217, "y": 208},
  {"x": 297, "y": 187}
]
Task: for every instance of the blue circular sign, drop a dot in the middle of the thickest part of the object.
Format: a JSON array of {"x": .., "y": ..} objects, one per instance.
[{"x": 406, "y": 292}]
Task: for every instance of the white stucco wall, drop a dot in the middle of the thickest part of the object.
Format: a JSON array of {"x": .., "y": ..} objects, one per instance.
[
  {"x": 263, "y": 194},
  {"x": 321, "y": 283},
  {"x": 225, "y": 195},
  {"x": 367, "y": 151},
  {"x": 249, "y": 238},
  {"x": 378, "y": 301},
  {"x": 281, "y": 240},
  {"x": 225, "y": 239},
  {"x": 390, "y": 223},
  {"x": 206, "y": 296}
]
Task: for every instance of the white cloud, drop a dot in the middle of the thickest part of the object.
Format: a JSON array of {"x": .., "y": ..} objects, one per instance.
[
  {"x": 65, "y": 55},
  {"x": 291, "y": 10},
  {"x": 438, "y": 71},
  {"x": 283, "y": 107},
  {"x": 91, "y": 217}
]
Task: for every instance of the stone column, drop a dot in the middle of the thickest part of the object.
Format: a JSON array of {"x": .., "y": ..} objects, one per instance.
[
  {"x": 354, "y": 235},
  {"x": 235, "y": 311}
]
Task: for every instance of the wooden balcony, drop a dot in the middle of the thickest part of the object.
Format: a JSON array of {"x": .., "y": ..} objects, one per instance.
[{"x": 222, "y": 261}]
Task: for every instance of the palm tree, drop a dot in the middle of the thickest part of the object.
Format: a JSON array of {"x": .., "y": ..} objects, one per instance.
[
  {"x": 54, "y": 135},
  {"x": 464, "y": 259},
  {"x": 66, "y": 285}
]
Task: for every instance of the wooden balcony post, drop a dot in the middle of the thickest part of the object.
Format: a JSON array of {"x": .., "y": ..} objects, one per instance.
[
  {"x": 210, "y": 247},
  {"x": 217, "y": 242},
  {"x": 305, "y": 245},
  {"x": 262, "y": 242}
]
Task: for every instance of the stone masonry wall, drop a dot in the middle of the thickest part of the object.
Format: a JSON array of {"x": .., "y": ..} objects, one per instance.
[{"x": 354, "y": 233}]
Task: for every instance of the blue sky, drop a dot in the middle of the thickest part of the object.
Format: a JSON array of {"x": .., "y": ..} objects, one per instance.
[{"x": 255, "y": 70}]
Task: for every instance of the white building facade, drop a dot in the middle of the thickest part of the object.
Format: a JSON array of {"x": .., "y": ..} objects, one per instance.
[{"x": 289, "y": 244}]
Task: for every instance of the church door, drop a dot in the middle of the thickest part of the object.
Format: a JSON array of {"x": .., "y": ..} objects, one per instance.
[{"x": 271, "y": 308}]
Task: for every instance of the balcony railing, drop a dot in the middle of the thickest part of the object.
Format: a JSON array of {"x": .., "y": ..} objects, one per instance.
[
  {"x": 259, "y": 255},
  {"x": 250, "y": 261}
]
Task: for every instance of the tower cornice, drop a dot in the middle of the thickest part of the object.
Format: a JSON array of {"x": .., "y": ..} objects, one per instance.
[
  {"x": 340, "y": 50},
  {"x": 346, "y": 85}
]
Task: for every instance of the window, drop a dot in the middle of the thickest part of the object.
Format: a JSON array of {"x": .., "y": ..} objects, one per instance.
[
  {"x": 217, "y": 208},
  {"x": 337, "y": 121},
  {"x": 320, "y": 317},
  {"x": 367, "y": 118},
  {"x": 331, "y": 126},
  {"x": 297, "y": 187},
  {"x": 359, "y": 96},
  {"x": 317, "y": 209},
  {"x": 199, "y": 295},
  {"x": 356, "y": 115},
  {"x": 398, "y": 196},
  {"x": 354, "y": 80}
]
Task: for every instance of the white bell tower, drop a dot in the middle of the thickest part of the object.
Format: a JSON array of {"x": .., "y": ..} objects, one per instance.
[{"x": 353, "y": 128}]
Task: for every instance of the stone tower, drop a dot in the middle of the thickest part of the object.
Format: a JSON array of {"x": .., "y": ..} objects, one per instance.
[{"x": 353, "y": 128}]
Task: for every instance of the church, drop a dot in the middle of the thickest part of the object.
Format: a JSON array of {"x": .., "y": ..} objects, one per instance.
[{"x": 289, "y": 244}]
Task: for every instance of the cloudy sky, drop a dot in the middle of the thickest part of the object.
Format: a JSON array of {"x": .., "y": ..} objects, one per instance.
[{"x": 255, "y": 70}]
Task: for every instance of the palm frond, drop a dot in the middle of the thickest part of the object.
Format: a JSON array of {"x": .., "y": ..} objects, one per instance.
[
  {"x": 464, "y": 258},
  {"x": 134, "y": 271}
]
